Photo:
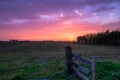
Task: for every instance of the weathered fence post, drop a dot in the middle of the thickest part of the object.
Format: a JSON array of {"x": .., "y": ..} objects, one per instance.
[
  {"x": 68, "y": 56},
  {"x": 93, "y": 68}
]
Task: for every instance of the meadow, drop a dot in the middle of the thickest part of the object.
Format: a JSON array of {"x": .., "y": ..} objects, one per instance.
[{"x": 45, "y": 60}]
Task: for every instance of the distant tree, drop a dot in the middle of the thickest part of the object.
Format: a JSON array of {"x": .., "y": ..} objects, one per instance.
[
  {"x": 82, "y": 39},
  {"x": 13, "y": 40},
  {"x": 106, "y": 37}
]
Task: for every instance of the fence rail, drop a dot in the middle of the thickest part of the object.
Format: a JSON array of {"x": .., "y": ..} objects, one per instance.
[{"x": 70, "y": 64}]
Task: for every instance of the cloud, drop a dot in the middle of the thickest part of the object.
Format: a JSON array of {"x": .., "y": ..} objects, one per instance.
[
  {"x": 112, "y": 25},
  {"x": 40, "y": 18},
  {"x": 78, "y": 13},
  {"x": 105, "y": 8},
  {"x": 51, "y": 16},
  {"x": 19, "y": 8},
  {"x": 15, "y": 21},
  {"x": 98, "y": 2}
]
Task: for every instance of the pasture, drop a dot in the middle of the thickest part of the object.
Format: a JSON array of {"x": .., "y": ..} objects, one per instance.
[{"x": 46, "y": 60}]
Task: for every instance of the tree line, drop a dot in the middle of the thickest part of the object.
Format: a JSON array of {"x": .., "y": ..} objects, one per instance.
[{"x": 105, "y": 37}]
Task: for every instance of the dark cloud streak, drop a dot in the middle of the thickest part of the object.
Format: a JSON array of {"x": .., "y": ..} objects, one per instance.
[{"x": 104, "y": 9}]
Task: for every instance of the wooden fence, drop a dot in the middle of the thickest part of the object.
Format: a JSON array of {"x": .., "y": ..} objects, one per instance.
[{"x": 77, "y": 68}]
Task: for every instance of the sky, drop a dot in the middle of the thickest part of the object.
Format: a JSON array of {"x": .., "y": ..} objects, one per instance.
[{"x": 58, "y": 20}]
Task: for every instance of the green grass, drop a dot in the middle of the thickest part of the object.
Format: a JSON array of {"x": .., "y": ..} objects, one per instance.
[
  {"x": 45, "y": 60},
  {"x": 108, "y": 71},
  {"x": 55, "y": 70}
]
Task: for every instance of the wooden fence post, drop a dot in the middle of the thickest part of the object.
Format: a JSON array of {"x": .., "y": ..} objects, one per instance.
[
  {"x": 68, "y": 56},
  {"x": 93, "y": 68}
]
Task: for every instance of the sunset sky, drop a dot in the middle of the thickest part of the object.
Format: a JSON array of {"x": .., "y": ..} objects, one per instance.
[{"x": 59, "y": 20}]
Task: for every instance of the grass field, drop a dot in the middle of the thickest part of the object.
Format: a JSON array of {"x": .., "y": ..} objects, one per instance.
[{"x": 45, "y": 60}]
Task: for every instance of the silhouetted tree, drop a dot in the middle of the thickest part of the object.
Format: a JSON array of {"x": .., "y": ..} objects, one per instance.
[{"x": 106, "y": 37}]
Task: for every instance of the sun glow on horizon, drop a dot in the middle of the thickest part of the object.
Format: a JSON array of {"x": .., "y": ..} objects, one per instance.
[{"x": 71, "y": 38}]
